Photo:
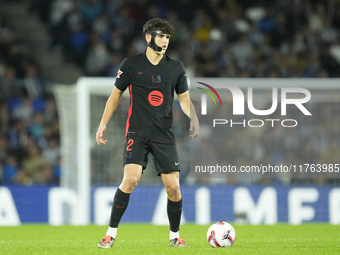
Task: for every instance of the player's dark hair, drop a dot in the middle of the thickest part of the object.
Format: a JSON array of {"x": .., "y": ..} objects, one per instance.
[{"x": 158, "y": 24}]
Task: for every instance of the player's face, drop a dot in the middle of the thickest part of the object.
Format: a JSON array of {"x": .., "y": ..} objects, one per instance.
[{"x": 162, "y": 40}]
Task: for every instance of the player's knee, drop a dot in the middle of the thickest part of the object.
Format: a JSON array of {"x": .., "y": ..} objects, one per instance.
[
  {"x": 131, "y": 182},
  {"x": 173, "y": 192}
]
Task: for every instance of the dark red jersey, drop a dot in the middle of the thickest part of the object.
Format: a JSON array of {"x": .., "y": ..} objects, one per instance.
[{"x": 151, "y": 90}]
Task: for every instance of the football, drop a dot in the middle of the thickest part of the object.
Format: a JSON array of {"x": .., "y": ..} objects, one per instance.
[{"x": 221, "y": 234}]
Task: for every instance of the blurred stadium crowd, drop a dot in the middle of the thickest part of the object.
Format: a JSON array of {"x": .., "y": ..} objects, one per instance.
[
  {"x": 313, "y": 141},
  {"x": 215, "y": 38},
  {"x": 29, "y": 128}
]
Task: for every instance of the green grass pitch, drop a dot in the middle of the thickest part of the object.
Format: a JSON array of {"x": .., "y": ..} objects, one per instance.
[{"x": 148, "y": 239}]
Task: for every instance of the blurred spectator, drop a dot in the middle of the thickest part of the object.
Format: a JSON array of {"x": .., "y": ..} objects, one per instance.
[
  {"x": 113, "y": 67},
  {"x": 33, "y": 82},
  {"x": 3, "y": 149},
  {"x": 52, "y": 152},
  {"x": 242, "y": 51},
  {"x": 10, "y": 170},
  {"x": 17, "y": 134},
  {"x": 22, "y": 109},
  {"x": 50, "y": 112},
  {"x": 97, "y": 60},
  {"x": 36, "y": 168},
  {"x": 268, "y": 23},
  {"x": 91, "y": 9},
  {"x": 4, "y": 118},
  {"x": 58, "y": 9},
  {"x": 37, "y": 125},
  {"x": 48, "y": 133},
  {"x": 116, "y": 42},
  {"x": 10, "y": 86}
]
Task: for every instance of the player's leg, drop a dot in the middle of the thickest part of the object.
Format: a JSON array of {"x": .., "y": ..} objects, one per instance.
[
  {"x": 135, "y": 160},
  {"x": 174, "y": 206},
  {"x": 167, "y": 166},
  {"x": 132, "y": 175}
]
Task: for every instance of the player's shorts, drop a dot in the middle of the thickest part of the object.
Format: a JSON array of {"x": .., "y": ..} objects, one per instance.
[{"x": 165, "y": 156}]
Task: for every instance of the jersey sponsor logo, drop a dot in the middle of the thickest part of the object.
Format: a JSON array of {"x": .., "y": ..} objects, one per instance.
[
  {"x": 119, "y": 73},
  {"x": 155, "y": 98},
  {"x": 140, "y": 72},
  {"x": 156, "y": 79}
]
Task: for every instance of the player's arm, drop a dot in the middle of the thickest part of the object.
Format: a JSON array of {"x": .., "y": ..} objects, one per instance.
[
  {"x": 110, "y": 108},
  {"x": 189, "y": 110}
]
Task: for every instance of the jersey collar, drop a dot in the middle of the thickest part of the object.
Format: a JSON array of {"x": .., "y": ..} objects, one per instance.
[{"x": 147, "y": 60}]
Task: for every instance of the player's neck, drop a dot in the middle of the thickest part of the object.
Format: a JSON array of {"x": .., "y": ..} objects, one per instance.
[{"x": 153, "y": 57}]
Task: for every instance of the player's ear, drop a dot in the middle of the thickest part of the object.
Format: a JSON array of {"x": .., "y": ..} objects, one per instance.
[{"x": 148, "y": 37}]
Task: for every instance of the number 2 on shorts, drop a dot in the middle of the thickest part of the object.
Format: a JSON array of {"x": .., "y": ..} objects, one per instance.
[{"x": 130, "y": 142}]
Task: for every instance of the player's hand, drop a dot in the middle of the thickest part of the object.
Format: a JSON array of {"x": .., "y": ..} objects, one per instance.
[
  {"x": 194, "y": 125},
  {"x": 100, "y": 134}
]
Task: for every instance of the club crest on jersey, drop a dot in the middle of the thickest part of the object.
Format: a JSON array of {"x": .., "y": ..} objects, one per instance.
[
  {"x": 156, "y": 79},
  {"x": 119, "y": 73}
]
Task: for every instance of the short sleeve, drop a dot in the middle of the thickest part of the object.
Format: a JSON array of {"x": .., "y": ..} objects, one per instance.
[
  {"x": 182, "y": 83},
  {"x": 123, "y": 78}
]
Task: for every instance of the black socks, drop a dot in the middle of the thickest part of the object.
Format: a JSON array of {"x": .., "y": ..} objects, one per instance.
[
  {"x": 120, "y": 203},
  {"x": 174, "y": 213}
]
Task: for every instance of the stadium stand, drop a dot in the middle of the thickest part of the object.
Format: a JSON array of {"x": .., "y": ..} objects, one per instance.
[
  {"x": 28, "y": 116},
  {"x": 283, "y": 38},
  {"x": 217, "y": 38}
]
